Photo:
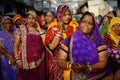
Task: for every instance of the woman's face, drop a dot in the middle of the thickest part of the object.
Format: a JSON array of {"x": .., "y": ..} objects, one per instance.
[
  {"x": 31, "y": 20},
  {"x": 105, "y": 19},
  {"x": 18, "y": 22},
  {"x": 116, "y": 29},
  {"x": 66, "y": 17},
  {"x": 86, "y": 24},
  {"x": 49, "y": 17},
  {"x": 7, "y": 24}
]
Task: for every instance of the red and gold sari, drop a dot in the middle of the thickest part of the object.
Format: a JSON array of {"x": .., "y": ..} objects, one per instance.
[
  {"x": 32, "y": 55},
  {"x": 54, "y": 71}
]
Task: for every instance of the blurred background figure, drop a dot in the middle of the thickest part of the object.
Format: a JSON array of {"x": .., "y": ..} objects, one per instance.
[
  {"x": 1, "y": 17},
  {"x": 41, "y": 20},
  {"x": 104, "y": 25},
  {"x": 111, "y": 14},
  {"x": 77, "y": 17},
  {"x": 98, "y": 19},
  {"x": 49, "y": 17}
]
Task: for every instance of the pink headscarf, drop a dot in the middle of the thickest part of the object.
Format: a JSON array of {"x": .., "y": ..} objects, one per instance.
[{"x": 61, "y": 10}]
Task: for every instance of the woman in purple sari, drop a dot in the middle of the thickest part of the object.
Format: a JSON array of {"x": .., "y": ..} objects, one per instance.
[
  {"x": 84, "y": 53},
  {"x": 29, "y": 50},
  {"x": 8, "y": 72}
]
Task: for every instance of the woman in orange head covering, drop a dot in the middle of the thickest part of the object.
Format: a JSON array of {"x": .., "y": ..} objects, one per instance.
[{"x": 18, "y": 20}]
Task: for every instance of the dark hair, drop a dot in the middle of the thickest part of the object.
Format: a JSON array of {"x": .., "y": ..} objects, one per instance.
[
  {"x": 114, "y": 13},
  {"x": 102, "y": 20},
  {"x": 53, "y": 13},
  {"x": 90, "y": 14},
  {"x": 99, "y": 17}
]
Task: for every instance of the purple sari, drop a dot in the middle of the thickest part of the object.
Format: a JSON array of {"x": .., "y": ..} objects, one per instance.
[
  {"x": 85, "y": 49},
  {"x": 8, "y": 72}
]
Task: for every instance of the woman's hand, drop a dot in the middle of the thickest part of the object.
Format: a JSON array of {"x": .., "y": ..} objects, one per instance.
[
  {"x": 76, "y": 67},
  {"x": 12, "y": 60},
  {"x": 60, "y": 26},
  {"x": 86, "y": 68},
  {"x": 19, "y": 64}
]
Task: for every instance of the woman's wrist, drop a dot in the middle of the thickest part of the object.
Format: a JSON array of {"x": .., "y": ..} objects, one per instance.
[
  {"x": 17, "y": 59},
  {"x": 69, "y": 64},
  {"x": 58, "y": 34},
  {"x": 90, "y": 68}
]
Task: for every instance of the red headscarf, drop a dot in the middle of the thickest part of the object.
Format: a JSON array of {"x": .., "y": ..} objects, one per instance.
[{"x": 61, "y": 10}]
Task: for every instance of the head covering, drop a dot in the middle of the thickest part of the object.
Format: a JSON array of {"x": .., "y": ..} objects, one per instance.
[
  {"x": 33, "y": 13},
  {"x": 16, "y": 17},
  {"x": 114, "y": 37},
  {"x": 61, "y": 10},
  {"x": 85, "y": 49},
  {"x": 3, "y": 20},
  {"x": 6, "y": 17},
  {"x": 99, "y": 18},
  {"x": 95, "y": 32}
]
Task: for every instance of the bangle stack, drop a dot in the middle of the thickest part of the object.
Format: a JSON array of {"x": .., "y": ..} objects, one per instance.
[
  {"x": 17, "y": 59},
  {"x": 58, "y": 34}
]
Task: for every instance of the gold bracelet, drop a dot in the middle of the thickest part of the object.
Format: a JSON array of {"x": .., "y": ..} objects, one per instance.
[
  {"x": 69, "y": 64},
  {"x": 17, "y": 60},
  {"x": 90, "y": 68}
]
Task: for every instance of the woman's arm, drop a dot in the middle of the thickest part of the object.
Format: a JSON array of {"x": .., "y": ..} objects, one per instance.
[
  {"x": 103, "y": 59},
  {"x": 43, "y": 34},
  {"x": 64, "y": 64},
  {"x": 52, "y": 38},
  {"x": 16, "y": 50},
  {"x": 16, "y": 45},
  {"x": 62, "y": 59},
  {"x": 54, "y": 43}
]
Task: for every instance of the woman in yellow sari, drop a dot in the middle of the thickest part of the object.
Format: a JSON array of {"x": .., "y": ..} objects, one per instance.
[
  {"x": 112, "y": 39},
  {"x": 58, "y": 30}
]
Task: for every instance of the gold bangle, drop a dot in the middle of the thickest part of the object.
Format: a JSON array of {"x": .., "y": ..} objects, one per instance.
[
  {"x": 90, "y": 68},
  {"x": 69, "y": 64}
]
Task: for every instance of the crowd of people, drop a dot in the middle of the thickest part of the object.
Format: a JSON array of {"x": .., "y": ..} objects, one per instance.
[{"x": 60, "y": 46}]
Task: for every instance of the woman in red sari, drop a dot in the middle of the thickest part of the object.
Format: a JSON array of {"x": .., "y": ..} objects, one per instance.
[
  {"x": 29, "y": 50},
  {"x": 58, "y": 30}
]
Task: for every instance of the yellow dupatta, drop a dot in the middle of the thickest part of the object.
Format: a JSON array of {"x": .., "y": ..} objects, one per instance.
[
  {"x": 114, "y": 37},
  {"x": 72, "y": 27}
]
